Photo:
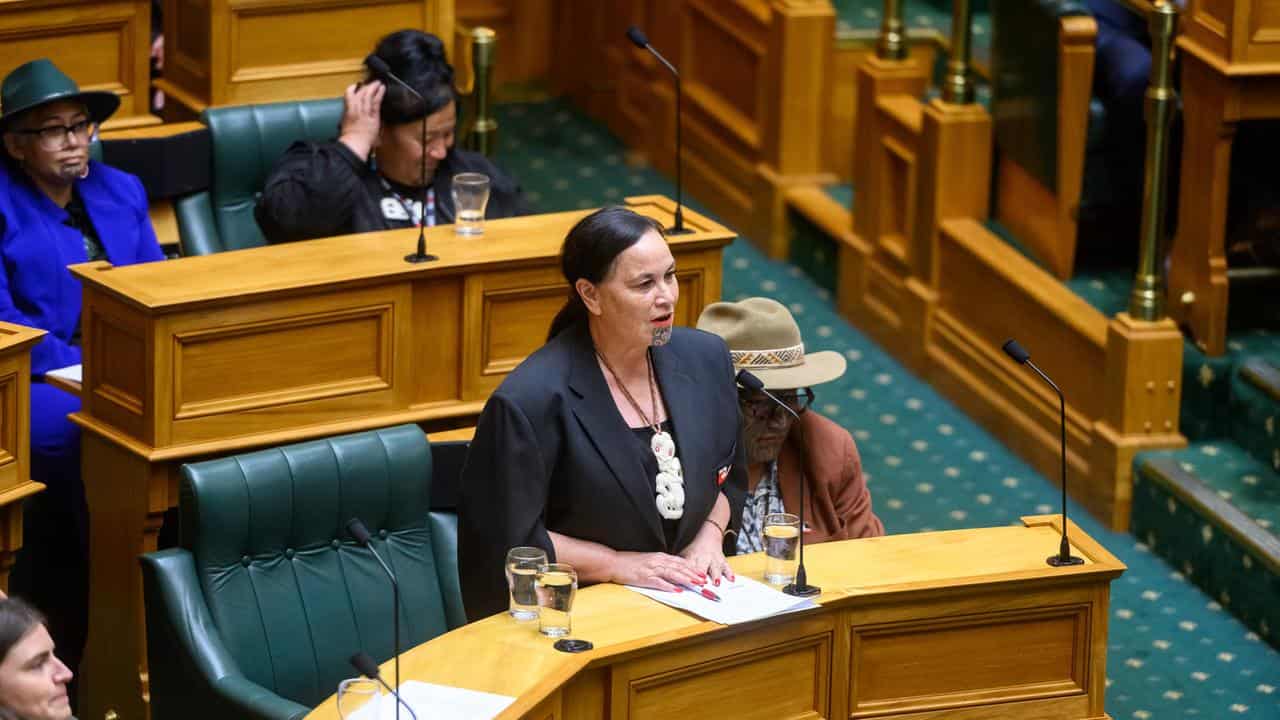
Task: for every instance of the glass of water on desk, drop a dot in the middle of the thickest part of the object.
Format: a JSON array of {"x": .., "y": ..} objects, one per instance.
[
  {"x": 522, "y": 571},
  {"x": 556, "y": 585},
  {"x": 781, "y": 538},
  {"x": 470, "y": 197},
  {"x": 359, "y": 695}
]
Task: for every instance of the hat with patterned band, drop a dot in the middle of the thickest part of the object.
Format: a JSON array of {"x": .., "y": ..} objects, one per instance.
[
  {"x": 40, "y": 82},
  {"x": 764, "y": 339}
]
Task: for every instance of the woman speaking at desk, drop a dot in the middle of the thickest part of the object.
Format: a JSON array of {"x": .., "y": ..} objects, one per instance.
[{"x": 614, "y": 446}]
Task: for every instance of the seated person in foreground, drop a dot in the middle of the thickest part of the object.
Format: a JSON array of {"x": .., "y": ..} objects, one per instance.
[
  {"x": 58, "y": 208},
  {"x": 371, "y": 177},
  {"x": 33, "y": 682},
  {"x": 614, "y": 447},
  {"x": 765, "y": 340}
]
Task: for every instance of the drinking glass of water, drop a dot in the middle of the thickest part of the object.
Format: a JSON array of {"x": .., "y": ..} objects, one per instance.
[
  {"x": 781, "y": 538},
  {"x": 556, "y": 585},
  {"x": 522, "y": 570},
  {"x": 359, "y": 695},
  {"x": 470, "y": 196}
]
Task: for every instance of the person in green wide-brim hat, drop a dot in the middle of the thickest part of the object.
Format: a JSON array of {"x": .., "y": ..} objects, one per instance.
[
  {"x": 782, "y": 452},
  {"x": 58, "y": 208}
]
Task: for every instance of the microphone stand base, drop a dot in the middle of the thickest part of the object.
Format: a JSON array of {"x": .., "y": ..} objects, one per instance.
[
  {"x": 420, "y": 258},
  {"x": 1067, "y": 561},
  {"x": 805, "y": 590},
  {"x": 679, "y": 231}
]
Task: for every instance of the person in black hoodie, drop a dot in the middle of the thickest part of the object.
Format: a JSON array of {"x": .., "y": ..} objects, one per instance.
[{"x": 370, "y": 178}]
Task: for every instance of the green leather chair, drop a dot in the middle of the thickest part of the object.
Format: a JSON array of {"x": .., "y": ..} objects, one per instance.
[
  {"x": 258, "y": 611},
  {"x": 246, "y": 141}
]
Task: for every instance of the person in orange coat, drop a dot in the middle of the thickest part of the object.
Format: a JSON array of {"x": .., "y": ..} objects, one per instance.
[{"x": 764, "y": 339}]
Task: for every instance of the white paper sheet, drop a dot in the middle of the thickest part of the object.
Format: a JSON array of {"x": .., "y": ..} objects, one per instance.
[
  {"x": 70, "y": 372},
  {"x": 742, "y": 600},
  {"x": 430, "y": 701}
]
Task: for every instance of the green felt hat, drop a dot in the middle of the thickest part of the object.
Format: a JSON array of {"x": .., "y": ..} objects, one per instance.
[{"x": 40, "y": 82}]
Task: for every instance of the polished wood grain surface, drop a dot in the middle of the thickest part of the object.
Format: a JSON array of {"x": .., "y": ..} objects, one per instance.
[
  {"x": 232, "y": 52},
  {"x": 15, "y": 431},
  {"x": 101, "y": 44},
  {"x": 199, "y": 357},
  {"x": 972, "y": 621}
]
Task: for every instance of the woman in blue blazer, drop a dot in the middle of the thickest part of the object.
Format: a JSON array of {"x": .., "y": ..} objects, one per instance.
[
  {"x": 614, "y": 446},
  {"x": 58, "y": 208}
]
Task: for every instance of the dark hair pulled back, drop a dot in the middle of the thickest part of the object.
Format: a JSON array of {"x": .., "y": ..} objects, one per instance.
[
  {"x": 418, "y": 59},
  {"x": 16, "y": 620},
  {"x": 589, "y": 252}
]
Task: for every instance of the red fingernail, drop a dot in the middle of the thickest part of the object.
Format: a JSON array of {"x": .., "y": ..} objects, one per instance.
[
  {"x": 717, "y": 582},
  {"x": 679, "y": 589}
]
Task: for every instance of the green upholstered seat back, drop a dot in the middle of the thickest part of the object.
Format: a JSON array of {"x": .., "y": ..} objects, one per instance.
[
  {"x": 1025, "y": 82},
  {"x": 292, "y": 597},
  {"x": 247, "y": 140}
]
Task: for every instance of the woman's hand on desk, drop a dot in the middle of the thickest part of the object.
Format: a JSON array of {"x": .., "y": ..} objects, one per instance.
[
  {"x": 659, "y": 571},
  {"x": 706, "y": 553}
]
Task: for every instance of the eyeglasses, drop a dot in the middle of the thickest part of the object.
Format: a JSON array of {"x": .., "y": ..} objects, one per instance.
[
  {"x": 56, "y": 137},
  {"x": 760, "y": 407}
]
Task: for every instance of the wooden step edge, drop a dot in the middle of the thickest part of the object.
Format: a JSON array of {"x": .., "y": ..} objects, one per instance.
[{"x": 1253, "y": 538}]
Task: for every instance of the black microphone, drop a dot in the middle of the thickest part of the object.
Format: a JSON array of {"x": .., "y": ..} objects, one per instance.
[
  {"x": 367, "y": 667},
  {"x": 381, "y": 69},
  {"x": 1022, "y": 357},
  {"x": 640, "y": 40},
  {"x": 801, "y": 587},
  {"x": 365, "y": 540}
]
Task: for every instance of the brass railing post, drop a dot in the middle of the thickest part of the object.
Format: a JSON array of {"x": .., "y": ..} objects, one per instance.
[
  {"x": 484, "y": 131},
  {"x": 957, "y": 85},
  {"x": 1146, "y": 302},
  {"x": 893, "y": 32}
]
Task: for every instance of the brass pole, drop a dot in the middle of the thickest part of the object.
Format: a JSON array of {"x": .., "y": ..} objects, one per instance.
[
  {"x": 957, "y": 85},
  {"x": 484, "y": 131},
  {"x": 893, "y": 32},
  {"x": 1146, "y": 302}
]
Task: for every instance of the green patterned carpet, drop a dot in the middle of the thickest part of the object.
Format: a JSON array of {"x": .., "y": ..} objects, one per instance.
[{"x": 1173, "y": 651}]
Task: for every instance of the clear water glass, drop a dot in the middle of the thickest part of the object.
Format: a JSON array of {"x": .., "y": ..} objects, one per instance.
[
  {"x": 557, "y": 584},
  {"x": 522, "y": 570},
  {"x": 359, "y": 695},
  {"x": 470, "y": 197},
  {"x": 781, "y": 538}
]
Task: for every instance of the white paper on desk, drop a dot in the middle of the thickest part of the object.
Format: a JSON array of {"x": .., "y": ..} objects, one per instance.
[
  {"x": 429, "y": 700},
  {"x": 742, "y": 600},
  {"x": 70, "y": 372}
]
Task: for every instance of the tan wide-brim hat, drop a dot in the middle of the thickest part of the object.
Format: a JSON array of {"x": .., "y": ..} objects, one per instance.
[{"x": 764, "y": 339}]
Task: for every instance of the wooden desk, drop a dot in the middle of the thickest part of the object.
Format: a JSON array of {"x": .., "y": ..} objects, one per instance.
[
  {"x": 964, "y": 624},
  {"x": 15, "y": 440},
  {"x": 204, "y": 356},
  {"x": 1230, "y": 54}
]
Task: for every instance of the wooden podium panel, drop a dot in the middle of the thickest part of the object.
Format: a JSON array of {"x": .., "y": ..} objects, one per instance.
[
  {"x": 15, "y": 439},
  {"x": 203, "y": 356},
  {"x": 101, "y": 45},
  {"x": 966, "y": 624},
  {"x": 230, "y": 52}
]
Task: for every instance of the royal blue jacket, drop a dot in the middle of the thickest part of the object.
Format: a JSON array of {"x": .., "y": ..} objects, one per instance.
[{"x": 36, "y": 289}]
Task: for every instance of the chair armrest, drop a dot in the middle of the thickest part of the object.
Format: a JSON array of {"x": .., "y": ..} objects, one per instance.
[
  {"x": 444, "y": 546},
  {"x": 192, "y": 673},
  {"x": 197, "y": 228}
]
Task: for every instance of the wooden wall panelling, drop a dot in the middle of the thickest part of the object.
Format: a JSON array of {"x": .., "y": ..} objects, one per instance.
[
  {"x": 101, "y": 45},
  {"x": 230, "y": 52},
  {"x": 524, "y": 35},
  {"x": 1245, "y": 32},
  {"x": 797, "y": 102},
  {"x": 16, "y": 485},
  {"x": 1044, "y": 219}
]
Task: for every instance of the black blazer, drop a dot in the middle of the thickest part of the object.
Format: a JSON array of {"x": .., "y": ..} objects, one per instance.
[{"x": 552, "y": 452}]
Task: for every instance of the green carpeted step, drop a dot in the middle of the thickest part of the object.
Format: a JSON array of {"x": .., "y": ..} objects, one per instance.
[
  {"x": 1255, "y": 410},
  {"x": 1212, "y": 511}
]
